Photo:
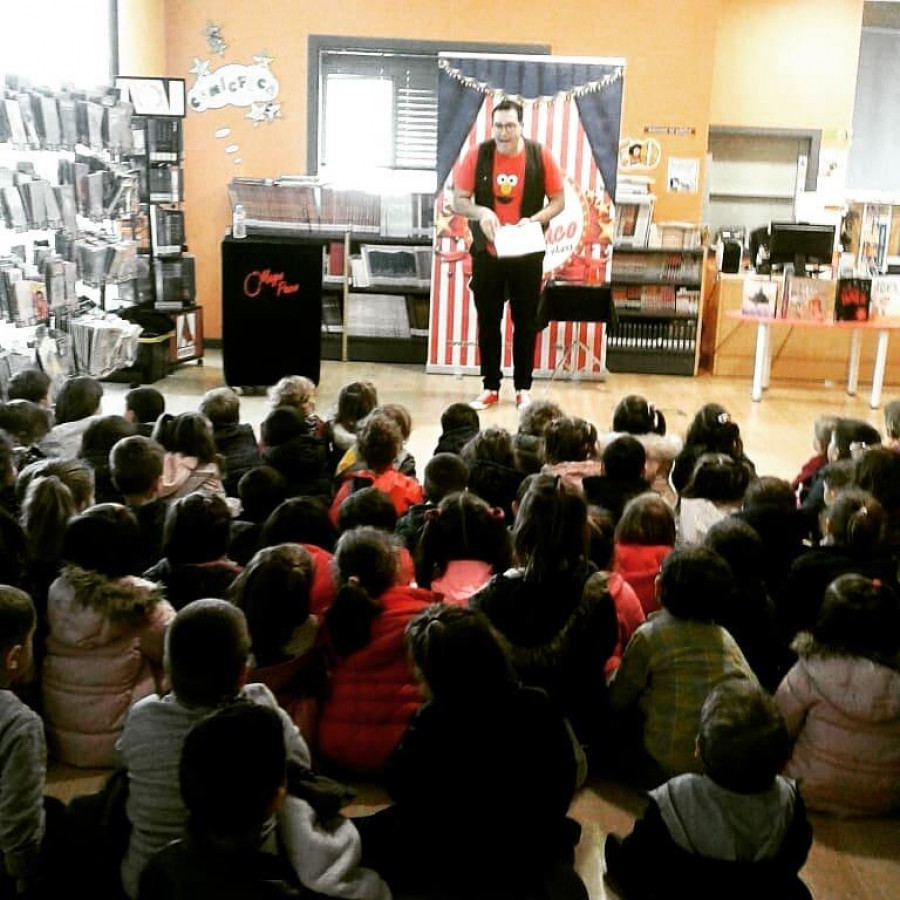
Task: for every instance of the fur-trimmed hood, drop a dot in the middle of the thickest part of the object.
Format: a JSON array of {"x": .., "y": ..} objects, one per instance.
[{"x": 126, "y": 599}]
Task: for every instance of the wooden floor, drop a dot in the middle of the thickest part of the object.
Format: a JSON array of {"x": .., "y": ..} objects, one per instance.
[{"x": 857, "y": 859}]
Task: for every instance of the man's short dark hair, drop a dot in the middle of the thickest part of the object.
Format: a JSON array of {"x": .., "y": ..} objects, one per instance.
[
  {"x": 445, "y": 473},
  {"x": 743, "y": 740},
  {"x": 147, "y": 403},
  {"x": 29, "y": 384},
  {"x": 207, "y": 646},
  {"x": 17, "y": 616},
  {"x": 221, "y": 406},
  {"x": 232, "y": 764},
  {"x": 135, "y": 464},
  {"x": 506, "y": 104}
]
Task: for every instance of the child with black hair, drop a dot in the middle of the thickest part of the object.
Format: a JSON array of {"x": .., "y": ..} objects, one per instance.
[
  {"x": 673, "y": 661},
  {"x": 854, "y": 532},
  {"x": 711, "y": 431},
  {"x": 96, "y": 443},
  {"x": 624, "y": 467},
  {"x": 143, "y": 406},
  {"x": 195, "y": 544},
  {"x": 491, "y": 464},
  {"x": 369, "y": 506},
  {"x": 207, "y": 647},
  {"x": 445, "y": 474},
  {"x": 13, "y": 548},
  {"x": 841, "y": 701},
  {"x": 570, "y": 449},
  {"x": 878, "y": 472},
  {"x": 464, "y": 543},
  {"x": 459, "y": 424},
  {"x": 273, "y": 592},
  {"x": 235, "y": 440},
  {"x": 77, "y": 402},
  {"x": 304, "y": 520},
  {"x": 750, "y": 616},
  {"x": 378, "y": 443},
  {"x": 405, "y": 463},
  {"x": 645, "y": 536},
  {"x": 892, "y": 424},
  {"x": 716, "y": 489},
  {"x": 293, "y": 444},
  {"x": 528, "y": 441},
  {"x": 27, "y": 424},
  {"x": 30, "y": 384},
  {"x": 737, "y": 830},
  {"x": 373, "y": 692},
  {"x": 260, "y": 491},
  {"x": 636, "y": 416},
  {"x": 480, "y": 735},
  {"x": 849, "y": 438},
  {"x": 105, "y": 643},
  {"x": 561, "y": 632},
  {"x": 23, "y": 751},
  {"x": 230, "y": 848},
  {"x": 355, "y": 401},
  {"x": 770, "y": 509},
  {"x": 136, "y": 466},
  {"x": 822, "y": 431},
  {"x": 629, "y": 612},
  {"x": 192, "y": 462}
]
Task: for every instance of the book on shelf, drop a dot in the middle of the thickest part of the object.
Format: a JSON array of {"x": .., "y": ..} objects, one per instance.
[
  {"x": 674, "y": 336},
  {"x": 332, "y": 321},
  {"x": 885, "y": 297},
  {"x": 759, "y": 298},
  {"x": 377, "y": 315},
  {"x": 807, "y": 299},
  {"x": 852, "y": 299}
]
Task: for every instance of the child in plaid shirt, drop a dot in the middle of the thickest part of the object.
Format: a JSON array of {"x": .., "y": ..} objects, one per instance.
[{"x": 673, "y": 661}]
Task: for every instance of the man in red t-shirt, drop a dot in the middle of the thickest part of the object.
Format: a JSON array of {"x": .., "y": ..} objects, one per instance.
[{"x": 505, "y": 182}]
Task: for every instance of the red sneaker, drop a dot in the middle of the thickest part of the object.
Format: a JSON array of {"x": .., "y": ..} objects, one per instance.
[{"x": 486, "y": 399}]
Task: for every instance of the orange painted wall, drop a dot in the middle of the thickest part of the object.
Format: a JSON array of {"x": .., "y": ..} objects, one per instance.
[
  {"x": 787, "y": 65},
  {"x": 142, "y": 37}
]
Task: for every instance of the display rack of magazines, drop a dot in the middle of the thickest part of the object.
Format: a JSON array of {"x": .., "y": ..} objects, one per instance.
[{"x": 300, "y": 204}]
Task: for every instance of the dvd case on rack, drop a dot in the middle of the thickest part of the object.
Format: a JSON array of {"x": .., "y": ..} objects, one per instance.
[
  {"x": 49, "y": 127},
  {"x": 68, "y": 121}
]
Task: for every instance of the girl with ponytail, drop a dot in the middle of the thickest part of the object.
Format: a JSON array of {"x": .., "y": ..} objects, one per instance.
[
  {"x": 464, "y": 542},
  {"x": 854, "y": 527},
  {"x": 373, "y": 691},
  {"x": 636, "y": 416}
]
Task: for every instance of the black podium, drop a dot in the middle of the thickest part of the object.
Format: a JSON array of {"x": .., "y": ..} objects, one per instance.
[{"x": 271, "y": 309}]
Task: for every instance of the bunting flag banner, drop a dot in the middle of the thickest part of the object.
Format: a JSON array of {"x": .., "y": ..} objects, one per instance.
[{"x": 558, "y": 100}]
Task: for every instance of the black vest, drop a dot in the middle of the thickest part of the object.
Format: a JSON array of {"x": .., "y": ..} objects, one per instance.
[{"x": 532, "y": 192}]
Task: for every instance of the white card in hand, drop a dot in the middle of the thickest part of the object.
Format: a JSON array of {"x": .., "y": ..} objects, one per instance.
[{"x": 517, "y": 240}]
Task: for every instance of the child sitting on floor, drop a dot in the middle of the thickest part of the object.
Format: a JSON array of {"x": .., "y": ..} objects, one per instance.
[
  {"x": 373, "y": 692},
  {"x": 379, "y": 443},
  {"x": 822, "y": 429},
  {"x": 645, "y": 536},
  {"x": 738, "y": 830},
  {"x": 273, "y": 592},
  {"x": 192, "y": 462},
  {"x": 480, "y": 735},
  {"x": 235, "y": 440},
  {"x": 260, "y": 491},
  {"x": 464, "y": 543},
  {"x": 459, "y": 424},
  {"x": 297, "y": 447},
  {"x": 716, "y": 488},
  {"x": 355, "y": 401},
  {"x": 207, "y": 647},
  {"x": 624, "y": 464},
  {"x": 841, "y": 701},
  {"x": 143, "y": 406},
  {"x": 672, "y": 662},
  {"x": 445, "y": 474}
]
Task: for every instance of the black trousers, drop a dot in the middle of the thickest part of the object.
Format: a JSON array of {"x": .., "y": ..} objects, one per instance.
[{"x": 493, "y": 281}]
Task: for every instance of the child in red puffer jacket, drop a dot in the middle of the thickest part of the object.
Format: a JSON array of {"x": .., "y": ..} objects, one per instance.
[{"x": 645, "y": 536}]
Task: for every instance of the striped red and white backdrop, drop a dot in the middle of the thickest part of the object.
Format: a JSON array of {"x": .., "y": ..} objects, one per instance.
[{"x": 453, "y": 339}]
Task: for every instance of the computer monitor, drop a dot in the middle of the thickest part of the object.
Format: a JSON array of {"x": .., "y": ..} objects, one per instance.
[{"x": 801, "y": 244}]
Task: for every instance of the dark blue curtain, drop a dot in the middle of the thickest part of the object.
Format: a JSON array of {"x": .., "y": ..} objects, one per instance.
[{"x": 600, "y": 110}]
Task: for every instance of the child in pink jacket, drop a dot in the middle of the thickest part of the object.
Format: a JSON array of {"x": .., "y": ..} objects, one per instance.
[
  {"x": 841, "y": 702},
  {"x": 105, "y": 642}
]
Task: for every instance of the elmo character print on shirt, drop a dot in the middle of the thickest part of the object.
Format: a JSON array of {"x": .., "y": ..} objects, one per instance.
[{"x": 505, "y": 187}]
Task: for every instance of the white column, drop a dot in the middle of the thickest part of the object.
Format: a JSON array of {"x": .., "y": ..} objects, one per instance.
[
  {"x": 762, "y": 337},
  {"x": 853, "y": 366},
  {"x": 880, "y": 363}
]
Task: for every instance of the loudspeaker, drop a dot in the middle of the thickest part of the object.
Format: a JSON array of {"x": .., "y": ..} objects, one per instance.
[{"x": 728, "y": 256}]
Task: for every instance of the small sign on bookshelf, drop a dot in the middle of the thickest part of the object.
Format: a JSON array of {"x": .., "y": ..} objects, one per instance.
[{"x": 760, "y": 298}]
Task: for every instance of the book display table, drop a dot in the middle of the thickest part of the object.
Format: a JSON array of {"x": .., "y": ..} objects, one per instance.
[{"x": 763, "y": 357}]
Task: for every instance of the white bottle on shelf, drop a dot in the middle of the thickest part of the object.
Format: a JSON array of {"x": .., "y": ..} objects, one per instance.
[{"x": 238, "y": 223}]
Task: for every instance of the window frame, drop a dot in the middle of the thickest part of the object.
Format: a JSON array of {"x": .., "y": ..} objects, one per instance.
[{"x": 317, "y": 43}]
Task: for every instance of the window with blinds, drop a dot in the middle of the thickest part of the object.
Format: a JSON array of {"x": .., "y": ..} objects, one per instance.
[{"x": 378, "y": 109}]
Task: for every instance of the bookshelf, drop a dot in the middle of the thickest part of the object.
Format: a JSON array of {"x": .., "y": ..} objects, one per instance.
[{"x": 657, "y": 295}]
